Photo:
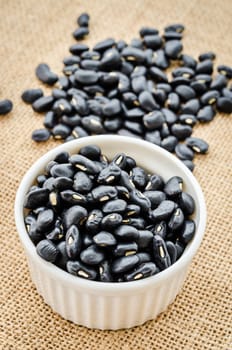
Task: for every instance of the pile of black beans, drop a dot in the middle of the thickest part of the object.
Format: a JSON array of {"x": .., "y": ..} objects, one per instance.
[
  {"x": 124, "y": 89},
  {"x": 108, "y": 221}
]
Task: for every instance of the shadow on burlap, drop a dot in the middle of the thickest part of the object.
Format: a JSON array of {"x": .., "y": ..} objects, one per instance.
[{"x": 40, "y": 31}]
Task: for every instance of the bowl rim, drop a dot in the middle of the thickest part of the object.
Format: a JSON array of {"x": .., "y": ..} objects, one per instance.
[{"x": 96, "y": 286}]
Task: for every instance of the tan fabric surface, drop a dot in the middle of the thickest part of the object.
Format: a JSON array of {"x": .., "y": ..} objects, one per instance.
[{"x": 33, "y": 31}]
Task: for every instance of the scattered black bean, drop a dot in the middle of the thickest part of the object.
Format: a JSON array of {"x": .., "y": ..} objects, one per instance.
[
  {"x": 5, "y": 106},
  {"x": 30, "y": 95},
  {"x": 44, "y": 74}
]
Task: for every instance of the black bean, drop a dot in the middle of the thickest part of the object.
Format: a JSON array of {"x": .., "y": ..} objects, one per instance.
[
  {"x": 139, "y": 84},
  {"x": 227, "y": 93},
  {"x": 184, "y": 152},
  {"x": 186, "y": 203},
  {"x": 126, "y": 232},
  {"x": 173, "y": 101},
  {"x": 134, "y": 127},
  {"x": 163, "y": 211},
  {"x": 153, "y": 137},
  {"x": 70, "y": 70},
  {"x": 43, "y": 104},
  {"x": 83, "y": 20},
  {"x": 81, "y": 270},
  {"x": 176, "y": 27},
  {"x": 69, "y": 61},
  {"x": 198, "y": 145},
  {"x": 172, "y": 251},
  {"x": 80, "y": 33},
  {"x": 148, "y": 31},
  {"x": 30, "y": 95},
  {"x": 137, "y": 197},
  {"x": 61, "y": 131},
  {"x": 205, "y": 67},
  {"x": 160, "y": 229},
  {"x": 82, "y": 182},
  {"x": 62, "y": 258},
  {"x": 144, "y": 270},
  {"x": 70, "y": 197},
  {"x": 180, "y": 81},
  {"x": 189, "y": 164},
  {"x": 155, "y": 197},
  {"x": 73, "y": 242},
  {"x": 219, "y": 82},
  {"x": 181, "y": 131},
  {"x": 110, "y": 60},
  {"x": 40, "y": 135},
  {"x": 109, "y": 174},
  {"x": 152, "y": 41},
  {"x": 173, "y": 48},
  {"x": 92, "y": 255},
  {"x": 173, "y": 186},
  {"x": 124, "y": 264},
  {"x": 210, "y": 97},
  {"x": 132, "y": 210},
  {"x": 78, "y": 49},
  {"x": 158, "y": 75},
  {"x": 176, "y": 221},
  {"x": 203, "y": 78},
  {"x": 94, "y": 220},
  {"x": 188, "y": 61},
  {"x": 172, "y": 35},
  {"x": 104, "y": 45},
  {"x": 104, "y": 193},
  {"x": 169, "y": 116},
  {"x": 169, "y": 143},
  {"x": 206, "y": 114},
  {"x": 47, "y": 250},
  {"x": 59, "y": 94},
  {"x": 84, "y": 164},
  {"x": 187, "y": 231},
  {"x": 184, "y": 72},
  {"x": 224, "y": 104},
  {"x": 79, "y": 132},
  {"x": 139, "y": 177},
  {"x": 74, "y": 215},
  {"x": 113, "y": 107},
  {"x": 63, "y": 83},
  {"x": 105, "y": 271},
  {"x": 207, "y": 56},
  {"x": 45, "y": 220},
  {"x": 110, "y": 221},
  {"x": 114, "y": 206},
  {"x": 36, "y": 198},
  {"x": 155, "y": 182},
  {"x": 45, "y": 75},
  {"x": 191, "y": 106},
  {"x": 186, "y": 93},
  {"x": 225, "y": 70},
  {"x": 153, "y": 120},
  {"x": 64, "y": 169},
  {"x": 179, "y": 248},
  {"x": 125, "y": 249},
  {"x": 133, "y": 54},
  {"x": 160, "y": 252},
  {"x": 144, "y": 239},
  {"x": 187, "y": 119}
]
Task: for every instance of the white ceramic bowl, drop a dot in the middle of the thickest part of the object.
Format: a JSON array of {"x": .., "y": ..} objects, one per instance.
[{"x": 112, "y": 305}]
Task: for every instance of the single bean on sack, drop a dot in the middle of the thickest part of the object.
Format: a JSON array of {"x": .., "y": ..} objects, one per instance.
[
  {"x": 109, "y": 220},
  {"x": 123, "y": 88}
]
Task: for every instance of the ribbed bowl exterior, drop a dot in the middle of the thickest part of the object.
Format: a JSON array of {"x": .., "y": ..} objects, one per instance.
[
  {"x": 112, "y": 305},
  {"x": 106, "y": 311}
]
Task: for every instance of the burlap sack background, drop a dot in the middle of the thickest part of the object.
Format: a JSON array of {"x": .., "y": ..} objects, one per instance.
[{"x": 33, "y": 31}]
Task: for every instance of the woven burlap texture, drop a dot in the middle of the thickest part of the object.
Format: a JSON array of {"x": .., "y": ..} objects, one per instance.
[{"x": 34, "y": 31}]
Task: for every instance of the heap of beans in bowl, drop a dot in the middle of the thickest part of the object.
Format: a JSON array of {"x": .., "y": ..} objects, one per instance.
[
  {"x": 148, "y": 89},
  {"x": 107, "y": 220}
]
